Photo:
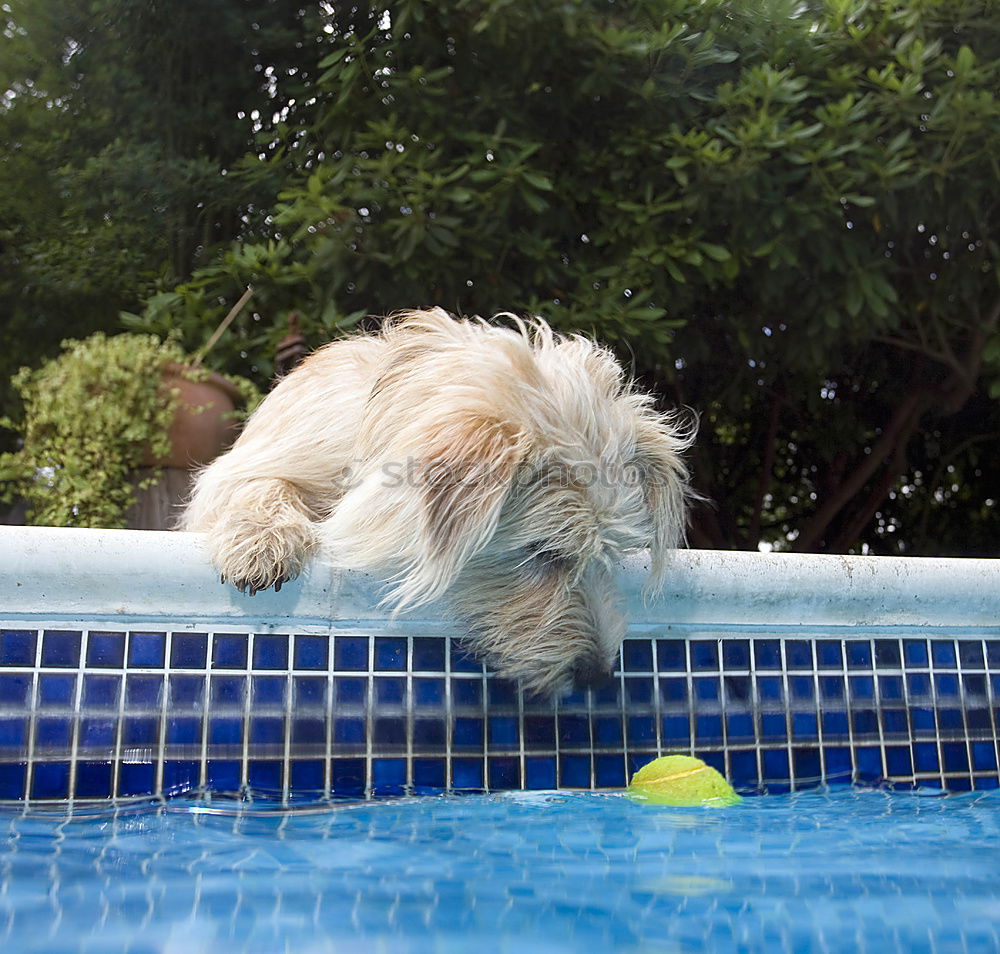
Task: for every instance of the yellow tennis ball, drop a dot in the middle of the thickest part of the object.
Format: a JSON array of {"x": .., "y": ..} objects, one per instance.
[{"x": 682, "y": 780}]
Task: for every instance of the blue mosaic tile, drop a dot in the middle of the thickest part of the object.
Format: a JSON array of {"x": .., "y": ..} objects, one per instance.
[
  {"x": 312, "y": 732},
  {"x": 351, "y": 691},
  {"x": 767, "y": 653},
  {"x": 467, "y": 733},
  {"x": 608, "y": 731},
  {"x": 770, "y": 690},
  {"x": 859, "y": 654},
  {"x": 105, "y": 650},
  {"x": 829, "y": 654},
  {"x": 56, "y": 691},
  {"x": 671, "y": 655},
  {"x": 704, "y": 654},
  {"x": 707, "y": 731},
  {"x": 17, "y": 647},
  {"x": 229, "y": 651},
  {"x": 351, "y": 654},
  {"x": 53, "y": 732},
  {"x": 224, "y": 775},
  {"x": 136, "y": 778},
  {"x": 143, "y": 692},
  {"x": 140, "y": 731},
  {"x": 868, "y": 763},
  {"x": 540, "y": 772},
  {"x": 925, "y": 757},
  {"x": 429, "y": 734},
  {"x": 887, "y": 654},
  {"x": 540, "y": 731},
  {"x": 974, "y": 688},
  {"x": 805, "y": 726},
  {"x": 970, "y": 654},
  {"x": 807, "y": 764},
  {"x": 348, "y": 776},
  {"x": 180, "y": 777},
  {"x": 740, "y": 728},
  {"x": 503, "y": 732},
  {"x": 839, "y": 763},
  {"x": 428, "y": 693},
  {"x": 228, "y": 691},
  {"x": 309, "y": 692},
  {"x": 183, "y": 730},
  {"x": 915, "y": 653},
  {"x": 467, "y": 693},
  {"x": 984, "y": 756},
  {"x": 467, "y": 774},
  {"x": 673, "y": 692},
  {"x": 225, "y": 731},
  {"x": 15, "y": 689},
  {"x": 609, "y": 771},
  {"x": 61, "y": 649},
  {"x": 743, "y": 766},
  {"x": 429, "y": 654},
  {"x": 798, "y": 654},
  {"x": 270, "y": 652},
  {"x": 390, "y": 653},
  {"x": 637, "y": 655},
  {"x": 946, "y": 687},
  {"x": 50, "y": 780},
  {"x": 264, "y": 775},
  {"x": 574, "y": 771},
  {"x": 504, "y": 774},
  {"x": 462, "y": 661},
  {"x": 899, "y": 760},
  {"x": 501, "y": 693},
  {"x": 189, "y": 651},
  {"x": 311, "y": 652},
  {"x": 147, "y": 650},
  {"x": 308, "y": 776},
  {"x": 268, "y": 692},
  {"x": 93, "y": 780},
  {"x": 943, "y": 653},
  {"x": 186, "y": 692},
  {"x": 914, "y": 708},
  {"x": 97, "y": 734},
  {"x": 265, "y": 730},
  {"x": 349, "y": 731},
  {"x": 639, "y": 691},
  {"x": 739, "y": 691},
  {"x": 574, "y": 731}
]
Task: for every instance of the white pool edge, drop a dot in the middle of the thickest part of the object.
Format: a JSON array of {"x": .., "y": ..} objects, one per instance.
[{"x": 51, "y": 573}]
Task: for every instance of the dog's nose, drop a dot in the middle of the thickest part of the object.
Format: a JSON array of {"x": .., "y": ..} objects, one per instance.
[{"x": 590, "y": 675}]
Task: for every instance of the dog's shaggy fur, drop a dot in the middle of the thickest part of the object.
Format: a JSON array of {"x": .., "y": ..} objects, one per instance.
[{"x": 505, "y": 469}]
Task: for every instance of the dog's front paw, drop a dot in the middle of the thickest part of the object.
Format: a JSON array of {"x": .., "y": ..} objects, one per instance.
[{"x": 256, "y": 558}]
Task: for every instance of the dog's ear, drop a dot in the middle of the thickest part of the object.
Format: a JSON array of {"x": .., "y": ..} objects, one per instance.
[
  {"x": 423, "y": 512},
  {"x": 660, "y": 443},
  {"x": 465, "y": 477}
]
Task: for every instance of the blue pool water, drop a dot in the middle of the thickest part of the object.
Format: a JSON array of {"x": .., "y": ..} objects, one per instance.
[{"x": 847, "y": 871}]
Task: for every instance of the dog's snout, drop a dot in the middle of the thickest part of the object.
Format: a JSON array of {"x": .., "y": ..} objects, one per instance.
[{"x": 589, "y": 674}]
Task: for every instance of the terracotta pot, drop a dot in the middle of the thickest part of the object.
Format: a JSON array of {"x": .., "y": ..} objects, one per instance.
[{"x": 203, "y": 426}]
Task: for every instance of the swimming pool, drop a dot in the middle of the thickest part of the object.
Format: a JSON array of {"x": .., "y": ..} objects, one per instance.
[
  {"x": 126, "y": 670},
  {"x": 184, "y": 768},
  {"x": 845, "y": 871}
]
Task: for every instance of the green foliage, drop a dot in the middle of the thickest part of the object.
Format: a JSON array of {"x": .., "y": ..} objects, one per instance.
[
  {"x": 93, "y": 416},
  {"x": 784, "y": 212}
]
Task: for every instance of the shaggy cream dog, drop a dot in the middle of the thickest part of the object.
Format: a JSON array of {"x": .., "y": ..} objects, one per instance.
[{"x": 505, "y": 469}]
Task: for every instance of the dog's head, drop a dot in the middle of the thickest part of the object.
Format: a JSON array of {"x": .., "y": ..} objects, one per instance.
[{"x": 508, "y": 470}]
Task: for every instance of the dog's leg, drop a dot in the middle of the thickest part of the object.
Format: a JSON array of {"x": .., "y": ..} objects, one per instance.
[{"x": 263, "y": 536}]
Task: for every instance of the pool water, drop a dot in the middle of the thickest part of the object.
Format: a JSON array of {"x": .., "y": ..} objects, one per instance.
[{"x": 542, "y": 872}]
